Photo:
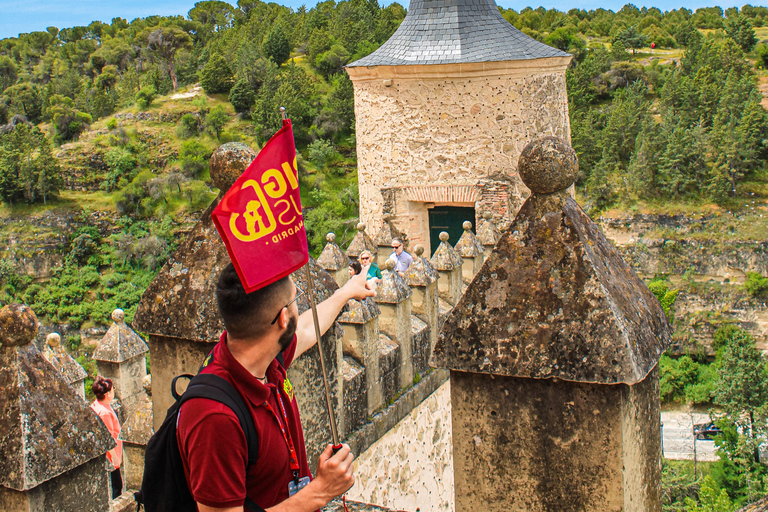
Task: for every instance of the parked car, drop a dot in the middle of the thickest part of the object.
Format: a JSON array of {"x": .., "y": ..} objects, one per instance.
[{"x": 706, "y": 431}]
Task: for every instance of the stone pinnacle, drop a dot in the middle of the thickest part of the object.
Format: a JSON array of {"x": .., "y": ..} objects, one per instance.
[
  {"x": 18, "y": 325},
  {"x": 228, "y": 162},
  {"x": 548, "y": 165}
]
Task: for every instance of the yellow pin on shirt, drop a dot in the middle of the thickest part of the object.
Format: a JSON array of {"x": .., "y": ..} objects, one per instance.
[{"x": 288, "y": 388}]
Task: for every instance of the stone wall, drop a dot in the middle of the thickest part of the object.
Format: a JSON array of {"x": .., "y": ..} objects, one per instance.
[
  {"x": 411, "y": 466},
  {"x": 451, "y": 125}
]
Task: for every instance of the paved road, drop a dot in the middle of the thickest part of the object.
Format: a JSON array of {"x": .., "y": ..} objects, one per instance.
[{"x": 678, "y": 441}]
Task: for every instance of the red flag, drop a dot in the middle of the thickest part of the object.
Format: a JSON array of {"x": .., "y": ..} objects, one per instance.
[{"x": 259, "y": 218}]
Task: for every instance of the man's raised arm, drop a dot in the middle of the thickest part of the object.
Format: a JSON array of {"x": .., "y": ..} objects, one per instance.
[{"x": 329, "y": 309}]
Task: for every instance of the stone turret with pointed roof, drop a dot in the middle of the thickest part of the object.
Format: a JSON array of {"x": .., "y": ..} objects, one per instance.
[
  {"x": 557, "y": 330},
  {"x": 52, "y": 445},
  {"x": 71, "y": 370},
  {"x": 121, "y": 356},
  {"x": 443, "y": 110}
]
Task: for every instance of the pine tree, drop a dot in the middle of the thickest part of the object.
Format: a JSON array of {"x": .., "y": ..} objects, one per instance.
[
  {"x": 216, "y": 76},
  {"x": 276, "y": 45},
  {"x": 741, "y": 388}
]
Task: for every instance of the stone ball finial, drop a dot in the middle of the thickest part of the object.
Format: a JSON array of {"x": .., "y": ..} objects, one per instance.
[
  {"x": 418, "y": 250},
  {"x": 228, "y": 162},
  {"x": 548, "y": 165},
  {"x": 467, "y": 225},
  {"x": 53, "y": 340},
  {"x": 18, "y": 325},
  {"x": 361, "y": 226},
  {"x": 147, "y": 383},
  {"x": 487, "y": 215},
  {"x": 330, "y": 237},
  {"x": 444, "y": 236},
  {"x": 386, "y": 217},
  {"x": 118, "y": 315},
  {"x": 389, "y": 264}
]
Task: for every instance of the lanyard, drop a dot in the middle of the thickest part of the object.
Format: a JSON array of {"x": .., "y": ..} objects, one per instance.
[{"x": 286, "y": 433}]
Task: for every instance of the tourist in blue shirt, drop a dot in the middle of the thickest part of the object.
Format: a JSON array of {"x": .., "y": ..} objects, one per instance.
[{"x": 401, "y": 258}]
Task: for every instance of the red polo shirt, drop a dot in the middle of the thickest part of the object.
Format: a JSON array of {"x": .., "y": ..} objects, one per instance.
[{"x": 213, "y": 447}]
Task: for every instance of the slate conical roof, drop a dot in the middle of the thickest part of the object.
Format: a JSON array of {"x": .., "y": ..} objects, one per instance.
[
  {"x": 454, "y": 32},
  {"x": 554, "y": 298}
]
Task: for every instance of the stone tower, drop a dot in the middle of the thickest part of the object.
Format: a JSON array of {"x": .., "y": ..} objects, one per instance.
[{"x": 444, "y": 109}]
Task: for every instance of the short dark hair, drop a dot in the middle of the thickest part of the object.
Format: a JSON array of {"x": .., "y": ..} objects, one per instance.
[
  {"x": 101, "y": 387},
  {"x": 356, "y": 266},
  {"x": 247, "y": 315}
]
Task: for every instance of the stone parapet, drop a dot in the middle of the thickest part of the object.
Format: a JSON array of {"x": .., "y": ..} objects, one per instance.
[
  {"x": 448, "y": 264},
  {"x": 136, "y": 431},
  {"x": 73, "y": 373},
  {"x": 555, "y": 329},
  {"x": 393, "y": 296},
  {"x": 361, "y": 242},
  {"x": 121, "y": 357},
  {"x": 422, "y": 278},
  {"x": 333, "y": 260},
  {"x": 471, "y": 252},
  {"x": 52, "y": 445}
]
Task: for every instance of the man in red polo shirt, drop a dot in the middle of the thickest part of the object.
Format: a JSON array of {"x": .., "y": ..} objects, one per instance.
[{"x": 260, "y": 326}]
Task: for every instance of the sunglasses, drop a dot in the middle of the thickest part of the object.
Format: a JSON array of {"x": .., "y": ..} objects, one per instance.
[
  {"x": 299, "y": 293},
  {"x": 396, "y": 246},
  {"x": 365, "y": 257}
]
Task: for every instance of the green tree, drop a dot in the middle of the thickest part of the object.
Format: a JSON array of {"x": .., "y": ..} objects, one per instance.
[
  {"x": 711, "y": 499},
  {"x": 242, "y": 96},
  {"x": 741, "y": 388},
  {"x": 68, "y": 121},
  {"x": 631, "y": 38},
  {"x": 216, "y": 76},
  {"x": 165, "y": 43},
  {"x": 216, "y": 119},
  {"x": 740, "y": 29},
  {"x": 276, "y": 45},
  {"x": 30, "y": 171},
  {"x": 7, "y": 72},
  {"x": 145, "y": 97}
]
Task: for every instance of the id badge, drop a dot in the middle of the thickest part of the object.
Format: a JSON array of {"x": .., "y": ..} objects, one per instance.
[{"x": 293, "y": 488}]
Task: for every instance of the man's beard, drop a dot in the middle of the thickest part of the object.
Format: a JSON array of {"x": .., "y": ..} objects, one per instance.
[{"x": 287, "y": 337}]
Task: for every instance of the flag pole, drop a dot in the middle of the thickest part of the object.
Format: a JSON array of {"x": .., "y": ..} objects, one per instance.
[{"x": 313, "y": 305}]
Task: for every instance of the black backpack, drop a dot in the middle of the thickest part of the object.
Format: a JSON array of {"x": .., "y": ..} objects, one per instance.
[{"x": 164, "y": 487}]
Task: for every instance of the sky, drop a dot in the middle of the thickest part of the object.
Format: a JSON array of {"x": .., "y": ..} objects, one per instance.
[{"x": 31, "y": 15}]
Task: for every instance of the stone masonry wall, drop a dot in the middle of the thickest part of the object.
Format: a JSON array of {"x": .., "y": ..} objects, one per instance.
[
  {"x": 416, "y": 128},
  {"x": 411, "y": 466}
]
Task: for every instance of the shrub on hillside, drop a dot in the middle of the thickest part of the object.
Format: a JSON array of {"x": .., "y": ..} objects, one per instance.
[
  {"x": 756, "y": 285},
  {"x": 145, "y": 96},
  {"x": 242, "y": 96},
  {"x": 216, "y": 119},
  {"x": 320, "y": 152},
  {"x": 189, "y": 126},
  {"x": 667, "y": 297},
  {"x": 216, "y": 76},
  {"x": 193, "y": 157}
]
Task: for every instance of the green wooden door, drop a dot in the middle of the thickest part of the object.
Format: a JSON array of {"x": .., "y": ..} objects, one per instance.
[{"x": 450, "y": 219}]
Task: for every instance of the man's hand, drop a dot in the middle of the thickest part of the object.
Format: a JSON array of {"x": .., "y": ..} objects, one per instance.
[
  {"x": 334, "y": 472},
  {"x": 334, "y": 477},
  {"x": 358, "y": 286}
]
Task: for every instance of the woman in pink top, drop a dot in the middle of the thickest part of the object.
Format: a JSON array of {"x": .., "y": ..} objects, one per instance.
[{"x": 105, "y": 393}]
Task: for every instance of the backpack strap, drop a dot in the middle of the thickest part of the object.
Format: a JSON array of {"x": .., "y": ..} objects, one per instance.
[{"x": 213, "y": 387}]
